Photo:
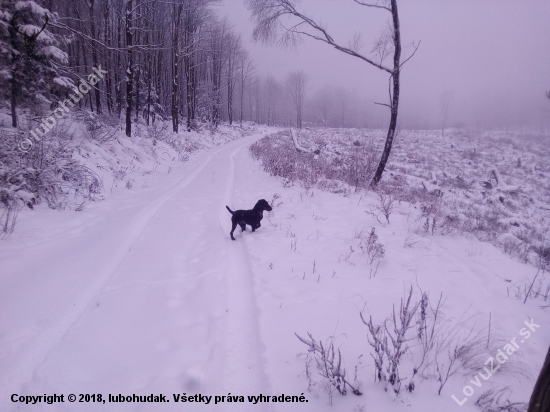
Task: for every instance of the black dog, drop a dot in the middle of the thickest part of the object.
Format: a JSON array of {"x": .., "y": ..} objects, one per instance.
[{"x": 249, "y": 217}]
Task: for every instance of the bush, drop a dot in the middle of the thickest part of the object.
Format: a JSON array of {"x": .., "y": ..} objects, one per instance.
[
  {"x": 354, "y": 166},
  {"x": 372, "y": 247},
  {"x": 329, "y": 366},
  {"x": 437, "y": 348},
  {"x": 47, "y": 172}
]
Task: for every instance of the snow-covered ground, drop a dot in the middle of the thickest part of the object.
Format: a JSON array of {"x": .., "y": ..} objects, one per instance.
[{"x": 145, "y": 293}]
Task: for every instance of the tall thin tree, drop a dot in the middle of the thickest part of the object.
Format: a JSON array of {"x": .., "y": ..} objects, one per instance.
[
  {"x": 176, "y": 27},
  {"x": 296, "y": 85},
  {"x": 245, "y": 70},
  {"x": 269, "y": 13},
  {"x": 129, "y": 65}
]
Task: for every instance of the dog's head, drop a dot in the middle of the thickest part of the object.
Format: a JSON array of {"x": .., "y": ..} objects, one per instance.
[{"x": 263, "y": 205}]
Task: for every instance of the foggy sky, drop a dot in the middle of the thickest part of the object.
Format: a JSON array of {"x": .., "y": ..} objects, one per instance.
[{"x": 492, "y": 56}]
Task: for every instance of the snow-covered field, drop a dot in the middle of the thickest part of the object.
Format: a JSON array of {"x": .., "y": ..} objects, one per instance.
[
  {"x": 145, "y": 293},
  {"x": 494, "y": 185}
]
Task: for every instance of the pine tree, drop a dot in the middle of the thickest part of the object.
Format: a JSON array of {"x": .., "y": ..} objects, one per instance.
[{"x": 29, "y": 57}]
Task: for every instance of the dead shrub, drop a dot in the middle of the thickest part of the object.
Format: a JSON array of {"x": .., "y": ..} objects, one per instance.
[
  {"x": 329, "y": 366},
  {"x": 47, "y": 172},
  {"x": 371, "y": 246}
]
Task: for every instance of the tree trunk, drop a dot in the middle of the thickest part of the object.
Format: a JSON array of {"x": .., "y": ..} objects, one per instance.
[
  {"x": 230, "y": 82},
  {"x": 107, "y": 38},
  {"x": 138, "y": 78},
  {"x": 230, "y": 104},
  {"x": 137, "y": 39},
  {"x": 87, "y": 97},
  {"x": 188, "y": 62},
  {"x": 118, "y": 72},
  {"x": 394, "y": 104},
  {"x": 242, "y": 103},
  {"x": 158, "y": 83},
  {"x": 149, "y": 84},
  {"x": 216, "y": 79},
  {"x": 190, "y": 91},
  {"x": 94, "y": 55},
  {"x": 175, "y": 68},
  {"x": 13, "y": 102},
  {"x": 129, "y": 68},
  {"x": 540, "y": 398}
]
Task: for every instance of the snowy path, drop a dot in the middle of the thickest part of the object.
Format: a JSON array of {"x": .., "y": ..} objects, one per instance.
[
  {"x": 167, "y": 307},
  {"x": 243, "y": 364}
]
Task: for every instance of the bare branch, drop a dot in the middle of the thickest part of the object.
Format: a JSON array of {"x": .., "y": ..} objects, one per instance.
[
  {"x": 413, "y": 53},
  {"x": 356, "y": 43},
  {"x": 372, "y": 5},
  {"x": 268, "y": 16}
]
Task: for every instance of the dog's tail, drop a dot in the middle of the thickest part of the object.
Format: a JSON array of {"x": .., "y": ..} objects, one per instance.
[{"x": 230, "y": 211}]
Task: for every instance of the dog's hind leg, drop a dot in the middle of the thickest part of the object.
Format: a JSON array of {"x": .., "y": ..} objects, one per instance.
[
  {"x": 243, "y": 226},
  {"x": 233, "y": 229}
]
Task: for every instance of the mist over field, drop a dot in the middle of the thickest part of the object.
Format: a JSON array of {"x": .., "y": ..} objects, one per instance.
[{"x": 490, "y": 59}]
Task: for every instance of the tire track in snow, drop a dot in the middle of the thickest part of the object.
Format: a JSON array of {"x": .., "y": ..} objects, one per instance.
[
  {"x": 244, "y": 366},
  {"x": 14, "y": 379}
]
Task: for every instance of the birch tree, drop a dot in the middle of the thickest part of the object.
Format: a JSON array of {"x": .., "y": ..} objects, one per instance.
[
  {"x": 296, "y": 83},
  {"x": 271, "y": 21}
]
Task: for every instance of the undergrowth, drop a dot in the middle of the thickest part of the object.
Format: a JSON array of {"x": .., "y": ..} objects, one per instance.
[{"x": 459, "y": 184}]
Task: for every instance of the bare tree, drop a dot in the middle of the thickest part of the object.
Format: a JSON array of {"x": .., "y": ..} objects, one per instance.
[
  {"x": 130, "y": 64},
  {"x": 194, "y": 15},
  {"x": 324, "y": 106},
  {"x": 245, "y": 70},
  {"x": 296, "y": 85},
  {"x": 218, "y": 44},
  {"x": 95, "y": 60},
  {"x": 177, "y": 10},
  {"x": 233, "y": 47},
  {"x": 269, "y": 13},
  {"x": 272, "y": 90},
  {"x": 343, "y": 101}
]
